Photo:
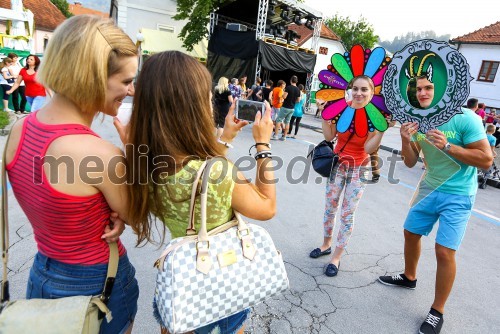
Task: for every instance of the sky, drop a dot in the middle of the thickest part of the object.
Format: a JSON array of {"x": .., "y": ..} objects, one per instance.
[{"x": 391, "y": 18}]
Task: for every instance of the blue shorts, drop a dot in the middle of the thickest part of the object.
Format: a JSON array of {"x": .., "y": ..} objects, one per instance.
[
  {"x": 52, "y": 279},
  {"x": 452, "y": 211}
]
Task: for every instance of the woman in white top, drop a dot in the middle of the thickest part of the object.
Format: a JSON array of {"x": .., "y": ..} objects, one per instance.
[
  {"x": 6, "y": 81},
  {"x": 20, "y": 91}
]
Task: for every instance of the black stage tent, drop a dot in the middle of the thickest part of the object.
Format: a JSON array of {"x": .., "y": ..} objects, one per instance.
[{"x": 234, "y": 53}]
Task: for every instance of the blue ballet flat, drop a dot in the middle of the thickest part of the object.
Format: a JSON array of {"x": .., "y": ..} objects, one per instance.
[
  {"x": 332, "y": 270},
  {"x": 315, "y": 253}
]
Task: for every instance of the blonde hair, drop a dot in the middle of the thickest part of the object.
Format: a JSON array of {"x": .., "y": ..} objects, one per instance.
[
  {"x": 92, "y": 46},
  {"x": 222, "y": 85}
]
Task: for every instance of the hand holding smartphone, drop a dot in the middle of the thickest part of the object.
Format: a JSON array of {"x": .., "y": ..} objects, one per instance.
[{"x": 247, "y": 109}]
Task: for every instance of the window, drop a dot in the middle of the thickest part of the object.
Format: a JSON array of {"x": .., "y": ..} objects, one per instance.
[
  {"x": 488, "y": 71},
  {"x": 114, "y": 11},
  {"x": 45, "y": 43},
  {"x": 323, "y": 50},
  {"x": 166, "y": 28}
]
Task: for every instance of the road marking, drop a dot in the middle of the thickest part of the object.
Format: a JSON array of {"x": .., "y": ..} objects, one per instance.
[{"x": 475, "y": 212}]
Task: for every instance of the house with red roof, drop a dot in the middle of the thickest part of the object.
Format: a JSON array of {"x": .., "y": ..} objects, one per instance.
[
  {"x": 47, "y": 18},
  {"x": 481, "y": 48},
  {"x": 77, "y": 8},
  {"x": 329, "y": 44}
]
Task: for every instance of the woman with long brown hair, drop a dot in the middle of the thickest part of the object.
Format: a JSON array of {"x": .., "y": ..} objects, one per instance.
[{"x": 171, "y": 131}]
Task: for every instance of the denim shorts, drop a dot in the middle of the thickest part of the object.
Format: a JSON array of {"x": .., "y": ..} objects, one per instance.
[
  {"x": 229, "y": 325},
  {"x": 453, "y": 212},
  {"x": 52, "y": 279},
  {"x": 284, "y": 115},
  {"x": 36, "y": 102}
]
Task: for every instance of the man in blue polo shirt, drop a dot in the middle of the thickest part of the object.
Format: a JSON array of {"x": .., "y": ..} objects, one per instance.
[{"x": 452, "y": 153}]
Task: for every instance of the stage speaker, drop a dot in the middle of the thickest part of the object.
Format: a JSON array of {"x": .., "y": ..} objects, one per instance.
[{"x": 236, "y": 27}]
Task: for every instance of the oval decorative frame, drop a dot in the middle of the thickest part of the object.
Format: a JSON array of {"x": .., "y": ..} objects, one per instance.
[{"x": 455, "y": 93}]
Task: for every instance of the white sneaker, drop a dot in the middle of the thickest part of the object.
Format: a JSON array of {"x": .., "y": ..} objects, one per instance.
[{"x": 273, "y": 137}]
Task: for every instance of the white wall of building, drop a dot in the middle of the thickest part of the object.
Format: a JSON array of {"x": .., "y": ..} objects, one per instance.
[
  {"x": 486, "y": 92},
  {"x": 132, "y": 15},
  {"x": 39, "y": 38},
  {"x": 322, "y": 61}
]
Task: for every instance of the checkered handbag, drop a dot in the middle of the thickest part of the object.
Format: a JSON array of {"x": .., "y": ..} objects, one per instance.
[{"x": 209, "y": 276}]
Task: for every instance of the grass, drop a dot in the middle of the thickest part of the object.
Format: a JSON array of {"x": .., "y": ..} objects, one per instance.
[{"x": 4, "y": 119}]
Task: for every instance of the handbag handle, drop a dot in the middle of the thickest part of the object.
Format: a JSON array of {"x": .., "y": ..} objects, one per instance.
[
  {"x": 191, "y": 230},
  {"x": 4, "y": 229},
  {"x": 203, "y": 259},
  {"x": 350, "y": 136}
]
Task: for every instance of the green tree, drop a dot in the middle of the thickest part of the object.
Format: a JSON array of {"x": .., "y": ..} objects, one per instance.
[
  {"x": 197, "y": 12},
  {"x": 352, "y": 32},
  {"x": 399, "y": 42},
  {"x": 63, "y": 7}
]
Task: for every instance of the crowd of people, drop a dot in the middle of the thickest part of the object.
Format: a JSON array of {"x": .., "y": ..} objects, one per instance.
[
  {"x": 287, "y": 102},
  {"x": 21, "y": 84},
  {"x": 74, "y": 218}
]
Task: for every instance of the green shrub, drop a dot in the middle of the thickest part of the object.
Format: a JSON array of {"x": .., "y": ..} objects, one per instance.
[{"x": 4, "y": 119}]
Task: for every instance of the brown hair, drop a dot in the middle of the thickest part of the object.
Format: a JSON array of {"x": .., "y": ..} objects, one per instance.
[
  {"x": 5, "y": 62},
  {"x": 490, "y": 128},
  {"x": 172, "y": 117},
  {"x": 367, "y": 78}
]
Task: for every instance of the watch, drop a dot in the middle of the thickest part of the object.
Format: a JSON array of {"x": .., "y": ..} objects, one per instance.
[{"x": 447, "y": 147}]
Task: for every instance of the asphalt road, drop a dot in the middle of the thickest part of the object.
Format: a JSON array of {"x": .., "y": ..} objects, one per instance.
[{"x": 352, "y": 302}]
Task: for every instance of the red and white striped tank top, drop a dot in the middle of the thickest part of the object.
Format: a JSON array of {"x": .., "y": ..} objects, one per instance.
[{"x": 67, "y": 228}]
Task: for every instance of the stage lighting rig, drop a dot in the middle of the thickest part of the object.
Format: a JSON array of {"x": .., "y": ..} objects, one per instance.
[
  {"x": 309, "y": 22},
  {"x": 284, "y": 13},
  {"x": 271, "y": 11},
  {"x": 291, "y": 36},
  {"x": 280, "y": 30},
  {"x": 297, "y": 17}
]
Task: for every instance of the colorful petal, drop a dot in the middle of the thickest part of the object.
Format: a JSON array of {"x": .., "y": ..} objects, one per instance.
[
  {"x": 330, "y": 94},
  {"x": 376, "y": 117},
  {"x": 332, "y": 79},
  {"x": 361, "y": 122},
  {"x": 376, "y": 58},
  {"x": 379, "y": 76},
  {"x": 334, "y": 109},
  {"x": 340, "y": 64},
  {"x": 345, "y": 120},
  {"x": 379, "y": 102},
  {"x": 357, "y": 59}
]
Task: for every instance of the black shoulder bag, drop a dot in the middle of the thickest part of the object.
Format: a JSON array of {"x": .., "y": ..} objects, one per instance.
[{"x": 323, "y": 158}]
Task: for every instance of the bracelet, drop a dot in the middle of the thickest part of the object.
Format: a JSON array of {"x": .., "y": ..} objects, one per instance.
[
  {"x": 257, "y": 144},
  {"x": 220, "y": 141},
  {"x": 263, "y": 155}
]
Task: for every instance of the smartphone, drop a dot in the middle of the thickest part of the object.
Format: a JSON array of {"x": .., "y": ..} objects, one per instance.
[
  {"x": 247, "y": 109},
  {"x": 124, "y": 114}
]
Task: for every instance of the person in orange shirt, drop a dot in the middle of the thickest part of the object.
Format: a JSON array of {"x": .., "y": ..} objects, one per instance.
[{"x": 277, "y": 100}]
